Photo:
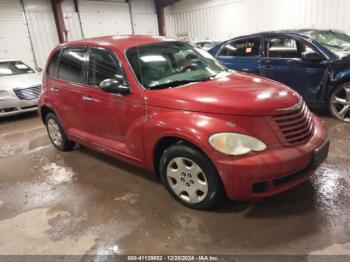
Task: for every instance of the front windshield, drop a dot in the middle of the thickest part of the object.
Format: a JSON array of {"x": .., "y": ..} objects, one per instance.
[
  {"x": 14, "y": 68},
  {"x": 337, "y": 42},
  {"x": 171, "y": 64}
]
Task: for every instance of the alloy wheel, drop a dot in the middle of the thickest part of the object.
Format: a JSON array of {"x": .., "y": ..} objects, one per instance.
[
  {"x": 340, "y": 103},
  {"x": 187, "y": 180}
]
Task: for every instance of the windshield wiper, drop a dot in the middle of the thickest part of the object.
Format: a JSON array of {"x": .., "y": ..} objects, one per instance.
[{"x": 179, "y": 83}]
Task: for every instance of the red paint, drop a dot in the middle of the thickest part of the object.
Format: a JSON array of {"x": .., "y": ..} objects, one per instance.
[{"x": 129, "y": 127}]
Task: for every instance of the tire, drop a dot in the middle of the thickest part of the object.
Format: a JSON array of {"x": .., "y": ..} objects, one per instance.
[
  {"x": 339, "y": 103},
  {"x": 191, "y": 178},
  {"x": 56, "y": 133}
]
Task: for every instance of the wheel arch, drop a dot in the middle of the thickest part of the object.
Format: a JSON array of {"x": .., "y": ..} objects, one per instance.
[
  {"x": 343, "y": 81},
  {"x": 166, "y": 142},
  {"x": 44, "y": 111},
  {"x": 336, "y": 84}
]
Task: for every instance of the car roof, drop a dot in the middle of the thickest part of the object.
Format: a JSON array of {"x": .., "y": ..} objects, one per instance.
[
  {"x": 121, "y": 42},
  {"x": 290, "y": 31},
  {"x": 298, "y": 32}
]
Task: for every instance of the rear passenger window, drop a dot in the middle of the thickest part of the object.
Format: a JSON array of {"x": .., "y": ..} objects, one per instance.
[
  {"x": 283, "y": 47},
  {"x": 71, "y": 65},
  {"x": 243, "y": 47},
  {"x": 52, "y": 66},
  {"x": 102, "y": 66}
]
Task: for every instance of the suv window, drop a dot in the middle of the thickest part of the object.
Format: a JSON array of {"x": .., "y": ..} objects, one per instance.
[
  {"x": 242, "y": 47},
  {"x": 102, "y": 66},
  {"x": 52, "y": 66},
  {"x": 71, "y": 65}
]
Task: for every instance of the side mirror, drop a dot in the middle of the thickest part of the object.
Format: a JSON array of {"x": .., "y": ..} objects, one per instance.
[
  {"x": 311, "y": 57},
  {"x": 114, "y": 86}
]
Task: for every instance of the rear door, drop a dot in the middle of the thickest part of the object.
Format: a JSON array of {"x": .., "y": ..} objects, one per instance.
[
  {"x": 242, "y": 54},
  {"x": 69, "y": 87},
  {"x": 284, "y": 63}
]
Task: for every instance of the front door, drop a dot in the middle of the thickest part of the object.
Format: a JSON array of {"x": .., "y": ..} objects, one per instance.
[
  {"x": 114, "y": 120},
  {"x": 284, "y": 63}
]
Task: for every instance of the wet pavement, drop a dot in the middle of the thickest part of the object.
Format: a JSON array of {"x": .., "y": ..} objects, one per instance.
[{"x": 83, "y": 202}]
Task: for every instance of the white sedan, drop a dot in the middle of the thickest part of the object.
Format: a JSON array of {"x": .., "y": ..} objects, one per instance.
[{"x": 20, "y": 87}]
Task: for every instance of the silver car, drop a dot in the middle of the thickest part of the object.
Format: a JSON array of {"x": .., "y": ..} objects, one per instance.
[
  {"x": 20, "y": 87},
  {"x": 207, "y": 44}
]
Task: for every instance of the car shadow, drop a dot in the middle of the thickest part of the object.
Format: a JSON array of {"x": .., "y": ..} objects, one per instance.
[{"x": 132, "y": 169}]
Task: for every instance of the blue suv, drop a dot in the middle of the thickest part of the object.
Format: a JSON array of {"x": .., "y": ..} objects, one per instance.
[{"x": 315, "y": 63}]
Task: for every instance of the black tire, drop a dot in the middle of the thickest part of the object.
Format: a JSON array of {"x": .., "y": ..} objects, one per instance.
[
  {"x": 333, "y": 109},
  {"x": 215, "y": 196},
  {"x": 66, "y": 144}
]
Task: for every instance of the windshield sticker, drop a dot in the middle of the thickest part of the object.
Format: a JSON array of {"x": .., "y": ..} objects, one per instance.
[{"x": 246, "y": 45}]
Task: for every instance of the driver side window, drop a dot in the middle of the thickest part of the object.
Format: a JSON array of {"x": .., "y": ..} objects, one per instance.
[
  {"x": 102, "y": 66},
  {"x": 247, "y": 47}
]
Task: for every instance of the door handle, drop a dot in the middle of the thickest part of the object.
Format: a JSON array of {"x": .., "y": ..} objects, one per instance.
[
  {"x": 54, "y": 89},
  {"x": 88, "y": 99}
]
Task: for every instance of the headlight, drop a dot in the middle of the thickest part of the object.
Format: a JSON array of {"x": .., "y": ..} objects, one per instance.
[
  {"x": 4, "y": 94},
  {"x": 235, "y": 144}
]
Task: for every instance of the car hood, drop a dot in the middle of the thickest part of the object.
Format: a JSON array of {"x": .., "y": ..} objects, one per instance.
[
  {"x": 20, "y": 81},
  {"x": 231, "y": 93}
]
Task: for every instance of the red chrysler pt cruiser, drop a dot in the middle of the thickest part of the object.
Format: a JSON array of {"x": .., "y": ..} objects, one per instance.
[{"x": 167, "y": 106}]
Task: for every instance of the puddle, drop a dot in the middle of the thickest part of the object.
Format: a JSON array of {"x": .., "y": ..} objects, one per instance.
[
  {"x": 36, "y": 144},
  {"x": 9, "y": 150},
  {"x": 335, "y": 249},
  {"x": 29, "y": 236},
  {"x": 129, "y": 197},
  {"x": 188, "y": 226},
  {"x": 113, "y": 250},
  {"x": 57, "y": 174}
]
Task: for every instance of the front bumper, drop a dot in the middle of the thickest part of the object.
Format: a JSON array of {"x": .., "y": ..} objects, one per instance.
[
  {"x": 13, "y": 106},
  {"x": 271, "y": 172}
]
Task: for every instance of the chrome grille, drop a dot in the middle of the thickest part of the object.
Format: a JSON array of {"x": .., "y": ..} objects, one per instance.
[
  {"x": 28, "y": 93},
  {"x": 295, "y": 127}
]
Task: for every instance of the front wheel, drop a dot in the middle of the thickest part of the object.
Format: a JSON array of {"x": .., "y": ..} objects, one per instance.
[
  {"x": 339, "y": 104},
  {"x": 191, "y": 178}
]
